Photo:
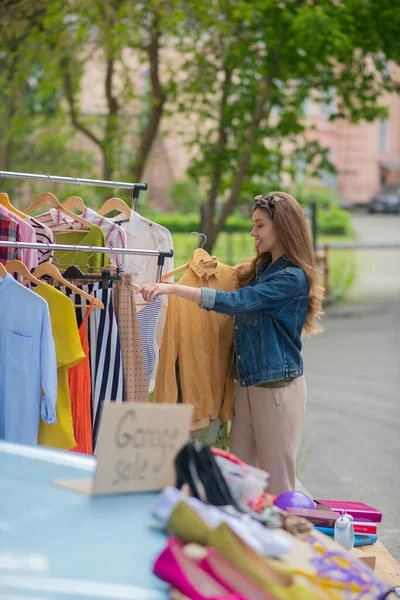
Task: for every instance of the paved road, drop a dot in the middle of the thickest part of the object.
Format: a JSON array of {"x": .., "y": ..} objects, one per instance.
[{"x": 351, "y": 441}]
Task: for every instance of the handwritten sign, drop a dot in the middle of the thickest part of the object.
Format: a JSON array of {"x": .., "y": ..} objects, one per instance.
[{"x": 136, "y": 448}]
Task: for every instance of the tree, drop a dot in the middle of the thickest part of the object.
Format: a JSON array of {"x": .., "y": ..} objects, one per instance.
[
  {"x": 251, "y": 65},
  {"x": 134, "y": 99},
  {"x": 15, "y": 37},
  {"x": 34, "y": 135}
]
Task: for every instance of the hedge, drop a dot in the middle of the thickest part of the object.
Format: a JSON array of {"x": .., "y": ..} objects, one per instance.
[{"x": 332, "y": 221}]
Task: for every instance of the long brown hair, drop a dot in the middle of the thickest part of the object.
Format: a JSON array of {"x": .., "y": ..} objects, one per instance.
[{"x": 295, "y": 237}]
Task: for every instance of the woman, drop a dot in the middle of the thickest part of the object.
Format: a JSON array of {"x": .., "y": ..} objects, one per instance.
[{"x": 279, "y": 298}]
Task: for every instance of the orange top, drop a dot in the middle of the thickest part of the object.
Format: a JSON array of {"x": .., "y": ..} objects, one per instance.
[
  {"x": 201, "y": 343},
  {"x": 80, "y": 392}
]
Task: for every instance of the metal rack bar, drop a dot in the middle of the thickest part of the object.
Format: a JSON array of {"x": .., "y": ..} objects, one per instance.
[
  {"x": 162, "y": 255},
  {"x": 92, "y": 249},
  {"x": 58, "y": 179}
]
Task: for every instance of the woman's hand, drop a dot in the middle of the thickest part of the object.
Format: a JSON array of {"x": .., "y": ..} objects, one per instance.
[{"x": 151, "y": 290}]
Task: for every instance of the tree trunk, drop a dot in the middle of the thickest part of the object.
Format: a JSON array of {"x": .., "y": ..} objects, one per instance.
[
  {"x": 111, "y": 129},
  {"x": 210, "y": 206},
  {"x": 75, "y": 121},
  {"x": 259, "y": 112},
  {"x": 158, "y": 98}
]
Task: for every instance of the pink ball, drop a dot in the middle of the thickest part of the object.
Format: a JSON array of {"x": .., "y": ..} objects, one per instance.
[{"x": 294, "y": 499}]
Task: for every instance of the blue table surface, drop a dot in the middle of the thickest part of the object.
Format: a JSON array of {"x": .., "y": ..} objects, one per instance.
[{"x": 57, "y": 543}]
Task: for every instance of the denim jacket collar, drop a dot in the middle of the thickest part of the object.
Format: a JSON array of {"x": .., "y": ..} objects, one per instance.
[{"x": 277, "y": 265}]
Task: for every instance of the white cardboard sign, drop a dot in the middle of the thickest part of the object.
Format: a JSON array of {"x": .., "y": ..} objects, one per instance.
[{"x": 136, "y": 448}]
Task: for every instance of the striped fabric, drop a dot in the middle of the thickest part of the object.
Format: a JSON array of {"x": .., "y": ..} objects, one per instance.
[
  {"x": 44, "y": 235},
  {"x": 105, "y": 350},
  {"x": 148, "y": 321},
  {"x": 29, "y": 256},
  {"x": 114, "y": 234}
]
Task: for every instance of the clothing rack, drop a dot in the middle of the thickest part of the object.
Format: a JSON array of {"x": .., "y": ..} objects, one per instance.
[
  {"x": 135, "y": 187},
  {"x": 92, "y": 249}
]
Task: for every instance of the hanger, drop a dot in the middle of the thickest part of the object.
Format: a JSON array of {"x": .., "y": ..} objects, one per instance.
[
  {"x": 3, "y": 272},
  {"x": 49, "y": 199},
  {"x": 5, "y": 201},
  {"x": 114, "y": 203},
  {"x": 51, "y": 270},
  {"x": 198, "y": 255},
  {"x": 75, "y": 201},
  {"x": 16, "y": 266}
]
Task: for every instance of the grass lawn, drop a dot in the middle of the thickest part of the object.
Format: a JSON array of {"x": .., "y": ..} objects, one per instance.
[
  {"x": 231, "y": 248},
  {"x": 342, "y": 266}
]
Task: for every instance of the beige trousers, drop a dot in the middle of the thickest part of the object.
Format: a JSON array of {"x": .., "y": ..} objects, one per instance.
[{"x": 266, "y": 430}]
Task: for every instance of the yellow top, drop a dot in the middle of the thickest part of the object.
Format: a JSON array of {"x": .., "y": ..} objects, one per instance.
[
  {"x": 200, "y": 343},
  {"x": 69, "y": 352}
]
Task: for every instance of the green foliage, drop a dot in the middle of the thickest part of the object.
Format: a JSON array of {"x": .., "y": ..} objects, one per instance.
[
  {"x": 248, "y": 77},
  {"x": 235, "y": 75},
  {"x": 323, "y": 196},
  {"x": 185, "y": 223},
  {"x": 185, "y": 195},
  {"x": 342, "y": 272},
  {"x": 35, "y": 135},
  {"x": 179, "y": 223},
  {"x": 334, "y": 221},
  {"x": 331, "y": 221}
]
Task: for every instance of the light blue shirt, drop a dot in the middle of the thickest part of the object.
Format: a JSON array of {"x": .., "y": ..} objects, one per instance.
[{"x": 28, "y": 364}]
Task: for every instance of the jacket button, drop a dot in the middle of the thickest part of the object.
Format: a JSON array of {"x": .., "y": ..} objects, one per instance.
[
  {"x": 243, "y": 383},
  {"x": 239, "y": 357},
  {"x": 236, "y": 326}
]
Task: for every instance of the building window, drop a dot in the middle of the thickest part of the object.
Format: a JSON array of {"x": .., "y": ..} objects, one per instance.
[{"x": 384, "y": 135}]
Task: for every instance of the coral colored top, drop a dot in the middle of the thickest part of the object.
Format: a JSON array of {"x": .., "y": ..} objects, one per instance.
[{"x": 80, "y": 389}]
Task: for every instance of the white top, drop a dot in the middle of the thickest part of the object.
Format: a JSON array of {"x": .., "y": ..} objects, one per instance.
[{"x": 142, "y": 233}]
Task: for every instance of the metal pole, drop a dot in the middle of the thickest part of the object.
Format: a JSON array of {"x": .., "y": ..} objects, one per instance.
[
  {"x": 73, "y": 248},
  {"x": 314, "y": 223},
  {"x": 326, "y": 272},
  {"x": 137, "y": 187}
]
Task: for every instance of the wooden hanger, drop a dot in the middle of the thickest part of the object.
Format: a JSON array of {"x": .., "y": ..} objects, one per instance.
[
  {"x": 3, "y": 272},
  {"x": 49, "y": 199},
  {"x": 169, "y": 274},
  {"x": 198, "y": 255},
  {"x": 114, "y": 204},
  {"x": 16, "y": 266},
  {"x": 5, "y": 201},
  {"x": 74, "y": 202},
  {"x": 51, "y": 270}
]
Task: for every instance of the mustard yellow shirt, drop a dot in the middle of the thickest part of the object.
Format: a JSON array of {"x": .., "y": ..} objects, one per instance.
[
  {"x": 68, "y": 352},
  {"x": 202, "y": 343}
]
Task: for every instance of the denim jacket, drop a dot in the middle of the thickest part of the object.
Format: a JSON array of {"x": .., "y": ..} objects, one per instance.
[{"x": 269, "y": 317}]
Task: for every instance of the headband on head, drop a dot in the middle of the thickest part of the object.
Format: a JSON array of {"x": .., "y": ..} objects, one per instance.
[{"x": 267, "y": 202}]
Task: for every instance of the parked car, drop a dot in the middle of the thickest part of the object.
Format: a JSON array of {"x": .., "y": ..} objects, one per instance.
[{"x": 387, "y": 200}]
